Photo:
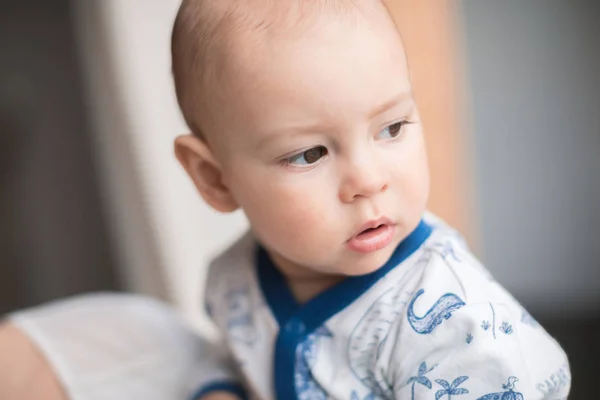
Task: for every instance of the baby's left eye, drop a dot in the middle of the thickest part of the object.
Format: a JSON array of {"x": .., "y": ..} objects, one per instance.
[{"x": 392, "y": 131}]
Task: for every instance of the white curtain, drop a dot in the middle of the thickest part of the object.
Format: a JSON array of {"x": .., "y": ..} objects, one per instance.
[{"x": 163, "y": 232}]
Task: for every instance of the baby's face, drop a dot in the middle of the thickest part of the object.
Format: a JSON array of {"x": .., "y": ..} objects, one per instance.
[{"x": 319, "y": 139}]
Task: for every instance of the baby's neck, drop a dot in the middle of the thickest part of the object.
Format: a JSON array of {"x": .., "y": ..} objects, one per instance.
[
  {"x": 302, "y": 282},
  {"x": 305, "y": 289}
]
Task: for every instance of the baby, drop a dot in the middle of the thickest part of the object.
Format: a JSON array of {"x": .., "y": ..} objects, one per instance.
[{"x": 302, "y": 115}]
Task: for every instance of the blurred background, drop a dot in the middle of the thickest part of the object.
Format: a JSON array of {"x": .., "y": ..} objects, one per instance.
[{"x": 92, "y": 199}]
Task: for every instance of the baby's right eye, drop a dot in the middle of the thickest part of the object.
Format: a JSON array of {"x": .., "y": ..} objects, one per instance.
[{"x": 308, "y": 157}]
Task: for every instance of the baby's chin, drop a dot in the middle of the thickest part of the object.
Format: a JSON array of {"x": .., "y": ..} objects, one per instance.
[{"x": 364, "y": 264}]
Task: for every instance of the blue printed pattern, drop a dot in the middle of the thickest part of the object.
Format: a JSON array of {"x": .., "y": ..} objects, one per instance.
[
  {"x": 306, "y": 355},
  {"x": 452, "y": 389},
  {"x": 485, "y": 325},
  {"x": 506, "y": 328},
  {"x": 355, "y": 396},
  {"x": 469, "y": 338},
  {"x": 369, "y": 337},
  {"x": 240, "y": 324},
  {"x": 420, "y": 378},
  {"x": 441, "y": 309},
  {"x": 508, "y": 393},
  {"x": 556, "y": 382}
]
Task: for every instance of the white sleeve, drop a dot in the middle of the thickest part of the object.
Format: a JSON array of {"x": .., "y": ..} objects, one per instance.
[
  {"x": 481, "y": 351},
  {"x": 462, "y": 336},
  {"x": 114, "y": 346}
]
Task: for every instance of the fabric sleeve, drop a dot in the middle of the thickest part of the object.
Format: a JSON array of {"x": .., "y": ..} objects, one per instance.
[
  {"x": 479, "y": 350},
  {"x": 114, "y": 346},
  {"x": 462, "y": 336}
]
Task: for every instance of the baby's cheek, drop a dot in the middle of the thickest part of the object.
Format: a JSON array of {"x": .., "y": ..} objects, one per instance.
[
  {"x": 415, "y": 193},
  {"x": 286, "y": 216},
  {"x": 413, "y": 179},
  {"x": 301, "y": 212}
]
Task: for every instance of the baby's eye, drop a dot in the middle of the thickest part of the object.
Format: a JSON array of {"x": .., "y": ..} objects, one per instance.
[
  {"x": 392, "y": 131},
  {"x": 307, "y": 157}
]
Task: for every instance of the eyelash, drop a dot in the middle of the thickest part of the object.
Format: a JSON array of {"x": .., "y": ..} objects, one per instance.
[
  {"x": 288, "y": 161},
  {"x": 400, "y": 125}
]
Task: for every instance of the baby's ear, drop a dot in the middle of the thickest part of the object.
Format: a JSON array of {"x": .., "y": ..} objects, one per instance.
[{"x": 200, "y": 164}]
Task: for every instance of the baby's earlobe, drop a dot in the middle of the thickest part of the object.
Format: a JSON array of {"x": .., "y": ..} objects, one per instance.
[{"x": 205, "y": 172}]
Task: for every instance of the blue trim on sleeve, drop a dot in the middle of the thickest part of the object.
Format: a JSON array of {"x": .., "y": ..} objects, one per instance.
[
  {"x": 222, "y": 386},
  {"x": 296, "y": 321}
]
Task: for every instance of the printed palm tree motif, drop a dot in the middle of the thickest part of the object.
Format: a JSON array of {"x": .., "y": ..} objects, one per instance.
[
  {"x": 354, "y": 396},
  {"x": 420, "y": 378},
  {"x": 508, "y": 394},
  {"x": 485, "y": 325},
  {"x": 451, "y": 389},
  {"x": 469, "y": 338}
]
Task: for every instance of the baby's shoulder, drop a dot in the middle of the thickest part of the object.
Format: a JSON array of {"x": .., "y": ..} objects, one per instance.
[
  {"x": 444, "y": 271},
  {"x": 233, "y": 269},
  {"x": 448, "y": 264},
  {"x": 236, "y": 258}
]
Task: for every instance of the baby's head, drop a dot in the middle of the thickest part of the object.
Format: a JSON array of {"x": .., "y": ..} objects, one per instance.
[{"x": 302, "y": 115}]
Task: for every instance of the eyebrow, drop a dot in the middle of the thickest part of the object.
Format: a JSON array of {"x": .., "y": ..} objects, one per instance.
[
  {"x": 294, "y": 130},
  {"x": 388, "y": 105},
  {"x": 320, "y": 127}
]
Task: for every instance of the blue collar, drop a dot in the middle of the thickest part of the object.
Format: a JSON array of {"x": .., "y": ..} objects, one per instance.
[{"x": 314, "y": 313}]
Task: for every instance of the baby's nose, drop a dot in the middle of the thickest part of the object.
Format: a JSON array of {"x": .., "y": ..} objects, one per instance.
[{"x": 362, "y": 180}]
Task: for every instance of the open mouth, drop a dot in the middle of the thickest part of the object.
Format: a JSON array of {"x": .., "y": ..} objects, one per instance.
[
  {"x": 370, "y": 232},
  {"x": 375, "y": 237}
]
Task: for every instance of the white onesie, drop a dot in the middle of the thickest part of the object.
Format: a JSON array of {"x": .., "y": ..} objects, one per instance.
[{"x": 430, "y": 324}]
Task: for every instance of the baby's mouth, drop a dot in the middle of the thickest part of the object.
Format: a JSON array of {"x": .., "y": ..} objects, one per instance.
[
  {"x": 371, "y": 232},
  {"x": 377, "y": 235}
]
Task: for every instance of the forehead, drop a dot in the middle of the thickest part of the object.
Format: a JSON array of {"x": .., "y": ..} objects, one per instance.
[{"x": 337, "y": 69}]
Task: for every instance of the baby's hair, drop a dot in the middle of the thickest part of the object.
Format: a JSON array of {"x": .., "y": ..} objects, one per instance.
[{"x": 204, "y": 31}]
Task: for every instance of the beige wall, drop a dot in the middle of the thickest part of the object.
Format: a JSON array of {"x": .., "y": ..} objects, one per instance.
[{"x": 430, "y": 31}]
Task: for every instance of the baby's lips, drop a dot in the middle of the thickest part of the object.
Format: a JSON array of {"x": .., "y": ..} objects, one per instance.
[
  {"x": 371, "y": 240},
  {"x": 374, "y": 223}
]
